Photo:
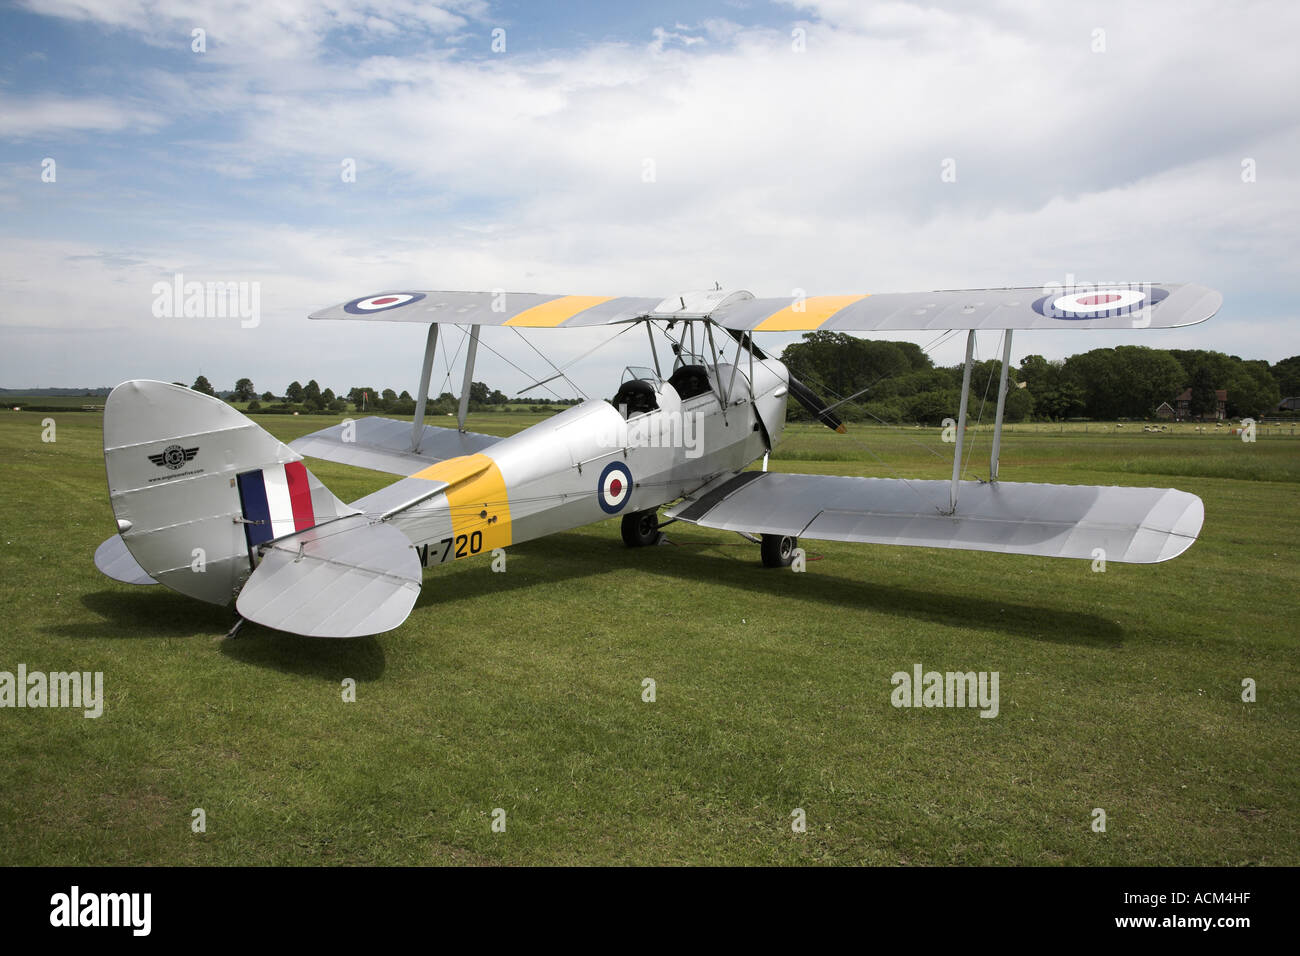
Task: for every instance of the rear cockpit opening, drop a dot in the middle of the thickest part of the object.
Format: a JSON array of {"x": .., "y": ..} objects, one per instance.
[{"x": 690, "y": 380}]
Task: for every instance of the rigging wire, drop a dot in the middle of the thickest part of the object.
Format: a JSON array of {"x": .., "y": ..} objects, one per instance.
[{"x": 546, "y": 359}]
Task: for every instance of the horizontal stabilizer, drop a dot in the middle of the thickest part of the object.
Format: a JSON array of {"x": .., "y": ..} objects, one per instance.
[
  {"x": 113, "y": 559},
  {"x": 384, "y": 444},
  {"x": 347, "y": 578},
  {"x": 1135, "y": 525}
]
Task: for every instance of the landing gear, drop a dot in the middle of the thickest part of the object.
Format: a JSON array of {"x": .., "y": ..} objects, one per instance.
[
  {"x": 778, "y": 550},
  {"x": 641, "y": 528}
]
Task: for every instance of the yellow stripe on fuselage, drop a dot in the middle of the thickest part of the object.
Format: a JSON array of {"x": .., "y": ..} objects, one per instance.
[
  {"x": 477, "y": 500},
  {"x": 550, "y": 314},
  {"x": 806, "y": 314}
]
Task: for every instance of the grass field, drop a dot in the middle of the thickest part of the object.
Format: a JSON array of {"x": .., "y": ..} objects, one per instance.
[{"x": 523, "y": 691}]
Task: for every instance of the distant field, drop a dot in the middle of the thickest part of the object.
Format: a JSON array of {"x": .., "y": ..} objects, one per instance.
[
  {"x": 523, "y": 691},
  {"x": 52, "y": 401}
]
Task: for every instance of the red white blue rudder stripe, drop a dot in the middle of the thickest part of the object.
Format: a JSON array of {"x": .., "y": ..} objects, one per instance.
[{"x": 276, "y": 501}]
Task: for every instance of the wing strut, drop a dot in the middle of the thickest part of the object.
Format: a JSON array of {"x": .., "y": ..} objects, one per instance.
[
  {"x": 961, "y": 420},
  {"x": 653, "y": 351},
  {"x": 469, "y": 377},
  {"x": 1002, "y": 404},
  {"x": 417, "y": 427}
]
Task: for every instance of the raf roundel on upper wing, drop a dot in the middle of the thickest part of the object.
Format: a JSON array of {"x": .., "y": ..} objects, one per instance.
[
  {"x": 614, "y": 487},
  {"x": 1100, "y": 303},
  {"x": 381, "y": 303}
]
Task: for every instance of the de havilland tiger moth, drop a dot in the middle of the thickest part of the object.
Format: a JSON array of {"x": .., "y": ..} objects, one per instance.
[{"x": 214, "y": 507}]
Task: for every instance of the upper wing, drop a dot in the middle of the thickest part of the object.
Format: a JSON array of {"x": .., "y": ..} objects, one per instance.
[
  {"x": 517, "y": 309},
  {"x": 1125, "y": 306},
  {"x": 1118, "y": 306},
  {"x": 1136, "y": 525}
]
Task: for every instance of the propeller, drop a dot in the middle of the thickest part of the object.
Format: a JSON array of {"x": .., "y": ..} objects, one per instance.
[
  {"x": 804, "y": 395},
  {"x": 810, "y": 400}
]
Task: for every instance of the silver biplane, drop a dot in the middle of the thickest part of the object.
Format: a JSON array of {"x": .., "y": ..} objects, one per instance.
[{"x": 211, "y": 505}]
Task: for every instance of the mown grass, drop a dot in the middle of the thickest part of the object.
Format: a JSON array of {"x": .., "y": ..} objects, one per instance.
[{"x": 523, "y": 690}]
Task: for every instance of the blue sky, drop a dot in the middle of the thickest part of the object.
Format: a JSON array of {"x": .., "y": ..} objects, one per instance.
[{"x": 778, "y": 166}]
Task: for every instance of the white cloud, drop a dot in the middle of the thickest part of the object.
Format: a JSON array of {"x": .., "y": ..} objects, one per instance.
[
  {"x": 774, "y": 169},
  {"x": 27, "y": 118}
]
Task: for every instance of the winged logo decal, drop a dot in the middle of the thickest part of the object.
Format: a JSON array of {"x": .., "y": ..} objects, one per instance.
[{"x": 174, "y": 457}]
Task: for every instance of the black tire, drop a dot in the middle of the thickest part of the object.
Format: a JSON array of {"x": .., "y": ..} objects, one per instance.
[
  {"x": 641, "y": 528},
  {"x": 778, "y": 550}
]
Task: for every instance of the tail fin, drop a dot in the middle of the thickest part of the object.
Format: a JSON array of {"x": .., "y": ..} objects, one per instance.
[{"x": 196, "y": 487}]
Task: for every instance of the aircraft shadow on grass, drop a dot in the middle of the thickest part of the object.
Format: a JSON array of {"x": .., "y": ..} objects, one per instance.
[
  {"x": 156, "y": 612},
  {"x": 568, "y": 557}
]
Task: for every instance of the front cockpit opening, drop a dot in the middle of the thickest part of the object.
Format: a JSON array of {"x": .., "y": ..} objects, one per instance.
[{"x": 637, "y": 394}]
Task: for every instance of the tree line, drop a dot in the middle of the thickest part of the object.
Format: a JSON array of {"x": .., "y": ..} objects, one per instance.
[
  {"x": 897, "y": 382},
  {"x": 362, "y": 398}
]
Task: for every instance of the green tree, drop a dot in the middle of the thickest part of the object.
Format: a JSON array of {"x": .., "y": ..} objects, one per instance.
[
  {"x": 1020, "y": 404},
  {"x": 244, "y": 391},
  {"x": 293, "y": 393},
  {"x": 1129, "y": 381},
  {"x": 1252, "y": 390},
  {"x": 201, "y": 384},
  {"x": 1055, "y": 394},
  {"x": 311, "y": 391},
  {"x": 362, "y": 397},
  {"x": 843, "y": 365},
  {"x": 327, "y": 397},
  {"x": 931, "y": 408},
  {"x": 1286, "y": 374},
  {"x": 267, "y": 396}
]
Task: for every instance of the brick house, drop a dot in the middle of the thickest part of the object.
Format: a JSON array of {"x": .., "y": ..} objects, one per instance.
[{"x": 1183, "y": 404}]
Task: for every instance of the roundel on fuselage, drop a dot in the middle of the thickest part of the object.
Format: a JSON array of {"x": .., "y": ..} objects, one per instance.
[{"x": 615, "y": 487}]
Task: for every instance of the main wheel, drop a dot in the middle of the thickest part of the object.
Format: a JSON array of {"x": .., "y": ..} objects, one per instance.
[
  {"x": 641, "y": 528},
  {"x": 778, "y": 550}
]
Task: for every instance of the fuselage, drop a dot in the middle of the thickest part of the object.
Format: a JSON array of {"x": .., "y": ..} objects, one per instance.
[{"x": 596, "y": 461}]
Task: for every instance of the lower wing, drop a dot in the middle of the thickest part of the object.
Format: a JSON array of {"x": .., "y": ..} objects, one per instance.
[
  {"x": 1133, "y": 525},
  {"x": 384, "y": 444}
]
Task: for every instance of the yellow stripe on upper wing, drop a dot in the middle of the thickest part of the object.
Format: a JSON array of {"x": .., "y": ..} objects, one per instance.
[
  {"x": 805, "y": 314},
  {"x": 550, "y": 314}
]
